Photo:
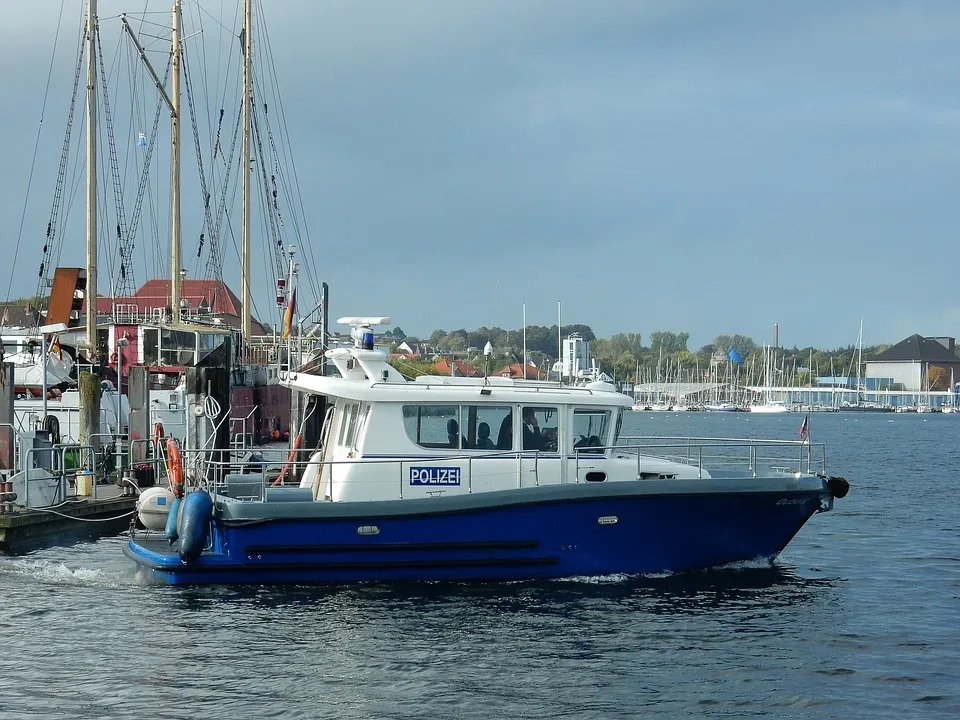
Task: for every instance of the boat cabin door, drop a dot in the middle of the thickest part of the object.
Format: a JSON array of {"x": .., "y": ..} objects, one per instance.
[
  {"x": 590, "y": 434},
  {"x": 321, "y": 489},
  {"x": 539, "y": 446}
]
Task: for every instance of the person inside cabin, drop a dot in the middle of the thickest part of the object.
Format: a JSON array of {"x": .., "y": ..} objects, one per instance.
[
  {"x": 453, "y": 433},
  {"x": 550, "y": 439},
  {"x": 483, "y": 437},
  {"x": 532, "y": 438}
]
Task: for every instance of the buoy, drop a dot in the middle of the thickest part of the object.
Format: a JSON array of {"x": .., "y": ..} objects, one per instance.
[
  {"x": 838, "y": 486},
  {"x": 276, "y": 434},
  {"x": 174, "y": 467},
  {"x": 153, "y": 507},
  {"x": 195, "y": 524},
  {"x": 170, "y": 528}
]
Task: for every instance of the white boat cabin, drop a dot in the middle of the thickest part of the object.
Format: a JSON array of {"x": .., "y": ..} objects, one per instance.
[{"x": 385, "y": 437}]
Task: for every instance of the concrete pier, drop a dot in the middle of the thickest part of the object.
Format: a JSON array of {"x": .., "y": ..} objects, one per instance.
[{"x": 108, "y": 514}]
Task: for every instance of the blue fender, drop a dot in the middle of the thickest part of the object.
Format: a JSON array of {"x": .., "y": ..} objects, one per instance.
[
  {"x": 195, "y": 524},
  {"x": 170, "y": 529}
]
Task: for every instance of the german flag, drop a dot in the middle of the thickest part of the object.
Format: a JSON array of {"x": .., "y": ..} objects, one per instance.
[{"x": 288, "y": 315}]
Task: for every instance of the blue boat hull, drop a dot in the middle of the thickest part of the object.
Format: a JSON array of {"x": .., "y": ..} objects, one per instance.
[{"x": 587, "y": 536}]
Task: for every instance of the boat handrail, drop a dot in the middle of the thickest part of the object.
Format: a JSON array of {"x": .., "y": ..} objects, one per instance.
[
  {"x": 499, "y": 388},
  {"x": 718, "y": 456},
  {"x": 685, "y": 438}
]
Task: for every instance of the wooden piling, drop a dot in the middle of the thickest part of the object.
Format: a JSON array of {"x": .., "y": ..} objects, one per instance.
[{"x": 89, "y": 409}]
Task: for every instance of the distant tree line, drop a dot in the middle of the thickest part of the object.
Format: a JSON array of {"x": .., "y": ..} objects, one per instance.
[{"x": 625, "y": 356}]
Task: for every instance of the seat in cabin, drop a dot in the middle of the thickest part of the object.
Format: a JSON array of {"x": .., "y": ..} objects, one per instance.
[
  {"x": 483, "y": 437},
  {"x": 505, "y": 436},
  {"x": 453, "y": 433}
]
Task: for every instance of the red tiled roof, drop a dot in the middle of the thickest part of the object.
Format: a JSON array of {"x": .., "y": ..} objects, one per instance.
[
  {"x": 515, "y": 371},
  {"x": 215, "y": 295},
  {"x": 462, "y": 369}
]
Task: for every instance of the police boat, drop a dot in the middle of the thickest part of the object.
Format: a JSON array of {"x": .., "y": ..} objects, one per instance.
[{"x": 473, "y": 479}]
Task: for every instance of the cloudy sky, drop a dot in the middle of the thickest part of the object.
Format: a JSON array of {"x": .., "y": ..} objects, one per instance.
[{"x": 700, "y": 166}]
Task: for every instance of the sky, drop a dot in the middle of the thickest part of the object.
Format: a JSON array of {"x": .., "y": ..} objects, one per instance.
[{"x": 698, "y": 166}]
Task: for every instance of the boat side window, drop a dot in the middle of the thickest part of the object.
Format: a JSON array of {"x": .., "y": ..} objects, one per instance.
[
  {"x": 364, "y": 414},
  {"x": 433, "y": 426},
  {"x": 348, "y": 424},
  {"x": 483, "y": 426},
  {"x": 540, "y": 428},
  {"x": 151, "y": 346},
  {"x": 177, "y": 347},
  {"x": 590, "y": 429}
]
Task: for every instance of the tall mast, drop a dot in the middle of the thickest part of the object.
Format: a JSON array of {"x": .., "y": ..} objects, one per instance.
[
  {"x": 175, "y": 262},
  {"x": 91, "y": 288},
  {"x": 245, "y": 169}
]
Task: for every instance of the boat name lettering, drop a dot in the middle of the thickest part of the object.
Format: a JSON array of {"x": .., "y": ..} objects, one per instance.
[
  {"x": 791, "y": 501},
  {"x": 434, "y": 476}
]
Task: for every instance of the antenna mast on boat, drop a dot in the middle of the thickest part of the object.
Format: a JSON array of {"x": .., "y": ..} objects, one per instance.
[
  {"x": 175, "y": 263},
  {"x": 91, "y": 287},
  {"x": 245, "y": 301}
]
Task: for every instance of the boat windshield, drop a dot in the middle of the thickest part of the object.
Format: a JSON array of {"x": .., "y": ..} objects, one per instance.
[{"x": 590, "y": 429}]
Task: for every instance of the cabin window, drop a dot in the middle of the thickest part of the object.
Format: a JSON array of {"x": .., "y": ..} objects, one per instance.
[
  {"x": 590, "y": 429},
  {"x": 364, "y": 414},
  {"x": 177, "y": 347},
  {"x": 540, "y": 428},
  {"x": 209, "y": 342},
  {"x": 488, "y": 427},
  {"x": 348, "y": 425},
  {"x": 462, "y": 427},
  {"x": 433, "y": 426},
  {"x": 151, "y": 346}
]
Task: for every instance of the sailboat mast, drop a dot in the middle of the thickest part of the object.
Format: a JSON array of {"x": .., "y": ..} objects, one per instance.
[
  {"x": 91, "y": 288},
  {"x": 175, "y": 262},
  {"x": 245, "y": 326}
]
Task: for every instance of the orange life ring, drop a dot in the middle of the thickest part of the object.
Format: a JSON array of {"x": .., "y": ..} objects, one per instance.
[{"x": 174, "y": 467}]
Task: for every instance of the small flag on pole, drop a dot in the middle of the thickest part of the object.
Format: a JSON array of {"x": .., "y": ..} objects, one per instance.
[
  {"x": 288, "y": 315},
  {"x": 805, "y": 429},
  {"x": 141, "y": 139}
]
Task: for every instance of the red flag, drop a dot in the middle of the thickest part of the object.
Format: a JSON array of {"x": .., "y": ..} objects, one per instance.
[
  {"x": 288, "y": 315},
  {"x": 805, "y": 429}
]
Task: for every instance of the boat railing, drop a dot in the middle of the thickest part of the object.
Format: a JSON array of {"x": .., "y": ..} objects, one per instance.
[
  {"x": 717, "y": 454},
  {"x": 709, "y": 457}
]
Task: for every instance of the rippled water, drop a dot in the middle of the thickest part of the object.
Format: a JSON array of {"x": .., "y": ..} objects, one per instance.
[{"x": 859, "y": 618}]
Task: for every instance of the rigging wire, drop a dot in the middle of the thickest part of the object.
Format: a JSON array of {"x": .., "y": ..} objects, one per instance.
[
  {"x": 293, "y": 192},
  {"x": 121, "y": 284},
  {"x": 36, "y": 147},
  {"x": 53, "y": 239}
]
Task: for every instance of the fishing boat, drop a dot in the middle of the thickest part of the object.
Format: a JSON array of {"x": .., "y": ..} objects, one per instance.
[{"x": 464, "y": 479}]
